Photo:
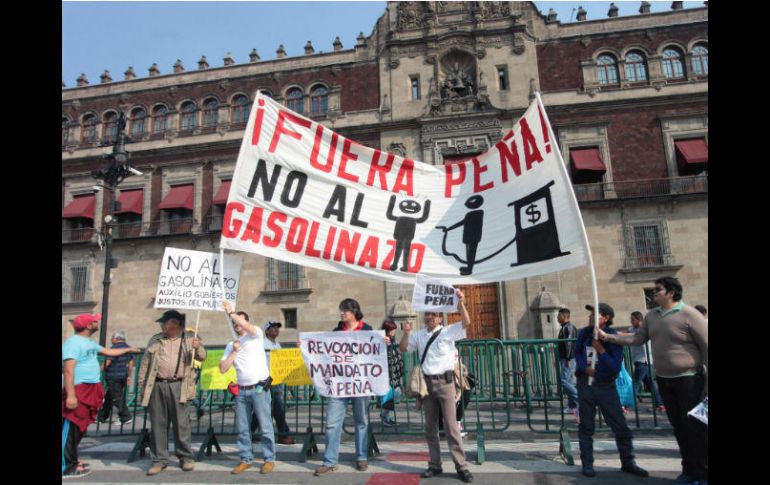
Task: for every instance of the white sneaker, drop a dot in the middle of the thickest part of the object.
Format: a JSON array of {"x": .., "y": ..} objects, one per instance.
[{"x": 463, "y": 433}]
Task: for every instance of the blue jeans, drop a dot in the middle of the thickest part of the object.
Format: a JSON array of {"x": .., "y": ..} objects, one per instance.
[
  {"x": 567, "y": 373},
  {"x": 641, "y": 374},
  {"x": 335, "y": 415},
  {"x": 246, "y": 402}
]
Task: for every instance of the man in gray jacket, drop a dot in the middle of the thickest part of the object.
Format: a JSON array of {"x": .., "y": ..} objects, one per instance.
[
  {"x": 167, "y": 381},
  {"x": 679, "y": 337}
]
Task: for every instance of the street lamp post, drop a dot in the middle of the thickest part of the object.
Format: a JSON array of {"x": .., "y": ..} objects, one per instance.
[{"x": 112, "y": 175}]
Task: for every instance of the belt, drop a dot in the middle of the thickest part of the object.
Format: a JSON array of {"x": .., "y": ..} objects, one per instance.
[
  {"x": 171, "y": 379},
  {"x": 438, "y": 376},
  {"x": 246, "y": 388}
]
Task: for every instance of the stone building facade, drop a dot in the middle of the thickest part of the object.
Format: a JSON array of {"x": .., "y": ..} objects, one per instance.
[{"x": 438, "y": 82}]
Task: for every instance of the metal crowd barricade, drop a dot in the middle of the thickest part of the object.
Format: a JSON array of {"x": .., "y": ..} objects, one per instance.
[{"x": 511, "y": 377}]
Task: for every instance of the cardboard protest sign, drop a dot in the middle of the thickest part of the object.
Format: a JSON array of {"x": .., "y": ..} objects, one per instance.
[
  {"x": 346, "y": 364},
  {"x": 211, "y": 377},
  {"x": 432, "y": 295},
  {"x": 288, "y": 367},
  {"x": 191, "y": 279},
  {"x": 303, "y": 193}
]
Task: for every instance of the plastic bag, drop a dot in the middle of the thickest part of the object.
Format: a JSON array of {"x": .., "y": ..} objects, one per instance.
[
  {"x": 625, "y": 386},
  {"x": 701, "y": 411}
]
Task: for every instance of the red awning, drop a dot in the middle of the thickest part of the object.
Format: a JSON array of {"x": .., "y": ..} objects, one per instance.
[
  {"x": 130, "y": 201},
  {"x": 179, "y": 197},
  {"x": 222, "y": 193},
  {"x": 82, "y": 206},
  {"x": 586, "y": 159},
  {"x": 691, "y": 152}
]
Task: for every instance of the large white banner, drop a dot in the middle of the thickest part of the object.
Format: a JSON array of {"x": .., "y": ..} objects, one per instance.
[
  {"x": 304, "y": 194},
  {"x": 346, "y": 364},
  {"x": 191, "y": 279}
]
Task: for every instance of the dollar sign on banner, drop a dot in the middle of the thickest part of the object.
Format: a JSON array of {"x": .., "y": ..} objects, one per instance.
[{"x": 533, "y": 213}]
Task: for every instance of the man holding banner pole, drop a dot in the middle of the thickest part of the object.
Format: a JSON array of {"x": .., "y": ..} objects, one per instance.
[
  {"x": 247, "y": 354},
  {"x": 436, "y": 346}
]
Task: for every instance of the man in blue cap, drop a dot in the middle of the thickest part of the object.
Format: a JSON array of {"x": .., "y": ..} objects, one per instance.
[{"x": 601, "y": 393}]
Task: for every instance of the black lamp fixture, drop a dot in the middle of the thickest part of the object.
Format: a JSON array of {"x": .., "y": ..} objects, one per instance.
[{"x": 116, "y": 170}]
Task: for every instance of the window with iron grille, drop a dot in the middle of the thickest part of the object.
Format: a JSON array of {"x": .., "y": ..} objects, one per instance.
[
  {"x": 290, "y": 317},
  {"x": 414, "y": 84},
  {"x": 75, "y": 282},
  {"x": 294, "y": 100},
  {"x": 88, "y": 132},
  {"x": 284, "y": 276},
  {"x": 319, "y": 101},
  {"x": 110, "y": 127},
  {"x": 502, "y": 78},
  {"x": 646, "y": 245},
  {"x": 189, "y": 118}
]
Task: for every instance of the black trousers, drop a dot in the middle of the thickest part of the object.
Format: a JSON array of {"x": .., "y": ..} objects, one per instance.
[
  {"x": 604, "y": 396},
  {"x": 115, "y": 396},
  {"x": 680, "y": 395},
  {"x": 71, "y": 437}
]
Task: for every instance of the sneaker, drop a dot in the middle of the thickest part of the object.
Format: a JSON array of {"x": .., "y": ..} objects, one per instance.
[
  {"x": 128, "y": 421},
  {"x": 576, "y": 413},
  {"x": 635, "y": 469},
  {"x": 362, "y": 465},
  {"x": 188, "y": 465},
  {"x": 285, "y": 440},
  {"x": 324, "y": 469},
  {"x": 431, "y": 472},
  {"x": 661, "y": 409},
  {"x": 78, "y": 473},
  {"x": 465, "y": 476},
  {"x": 240, "y": 468},
  {"x": 155, "y": 469},
  {"x": 267, "y": 467},
  {"x": 626, "y": 409},
  {"x": 588, "y": 471},
  {"x": 387, "y": 421},
  {"x": 569, "y": 410}
]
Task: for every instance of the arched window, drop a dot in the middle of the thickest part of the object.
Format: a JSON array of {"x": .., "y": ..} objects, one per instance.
[
  {"x": 110, "y": 127},
  {"x": 319, "y": 101},
  {"x": 65, "y": 131},
  {"x": 672, "y": 64},
  {"x": 210, "y": 113},
  {"x": 607, "y": 69},
  {"x": 189, "y": 116},
  {"x": 240, "y": 107},
  {"x": 138, "y": 115},
  {"x": 88, "y": 131},
  {"x": 636, "y": 68},
  {"x": 294, "y": 100},
  {"x": 700, "y": 60},
  {"x": 159, "y": 119}
]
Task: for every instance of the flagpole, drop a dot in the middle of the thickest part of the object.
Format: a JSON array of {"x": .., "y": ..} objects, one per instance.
[
  {"x": 576, "y": 208},
  {"x": 195, "y": 335},
  {"x": 222, "y": 288}
]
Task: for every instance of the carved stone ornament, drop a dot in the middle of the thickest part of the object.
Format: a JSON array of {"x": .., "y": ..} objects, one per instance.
[
  {"x": 493, "y": 10},
  {"x": 518, "y": 44},
  {"x": 172, "y": 90},
  {"x": 397, "y": 148},
  {"x": 585, "y": 41},
  {"x": 171, "y": 135},
  {"x": 409, "y": 15},
  {"x": 222, "y": 128},
  {"x": 481, "y": 53},
  {"x": 394, "y": 63}
]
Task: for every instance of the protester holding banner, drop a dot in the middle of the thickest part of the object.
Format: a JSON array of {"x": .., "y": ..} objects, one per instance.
[
  {"x": 601, "y": 393},
  {"x": 396, "y": 372},
  {"x": 679, "y": 337},
  {"x": 167, "y": 382},
  {"x": 83, "y": 391},
  {"x": 118, "y": 373},
  {"x": 247, "y": 354},
  {"x": 351, "y": 321},
  {"x": 272, "y": 330},
  {"x": 436, "y": 346}
]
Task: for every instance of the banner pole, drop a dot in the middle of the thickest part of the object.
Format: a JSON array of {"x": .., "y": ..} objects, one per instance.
[
  {"x": 222, "y": 289},
  {"x": 195, "y": 335},
  {"x": 576, "y": 207}
]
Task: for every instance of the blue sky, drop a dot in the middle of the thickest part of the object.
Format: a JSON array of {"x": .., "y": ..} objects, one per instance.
[{"x": 114, "y": 35}]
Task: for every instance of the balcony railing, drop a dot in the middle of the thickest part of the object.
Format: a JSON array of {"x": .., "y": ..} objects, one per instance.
[
  {"x": 213, "y": 223},
  {"x": 133, "y": 230},
  {"x": 641, "y": 188},
  {"x": 77, "y": 235},
  {"x": 632, "y": 262}
]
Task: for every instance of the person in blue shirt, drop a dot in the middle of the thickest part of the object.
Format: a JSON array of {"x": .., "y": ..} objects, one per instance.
[{"x": 601, "y": 393}]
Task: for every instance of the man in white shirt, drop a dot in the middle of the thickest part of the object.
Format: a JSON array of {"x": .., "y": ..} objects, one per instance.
[
  {"x": 247, "y": 354},
  {"x": 438, "y": 370}
]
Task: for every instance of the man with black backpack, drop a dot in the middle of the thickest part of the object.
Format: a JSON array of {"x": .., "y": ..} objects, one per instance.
[{"x": 436, "y": 346}]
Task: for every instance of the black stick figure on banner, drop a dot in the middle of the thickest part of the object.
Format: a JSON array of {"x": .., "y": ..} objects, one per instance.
[
  {"x": 472, "y": 225},
  {"x": 403, "y": 232}
]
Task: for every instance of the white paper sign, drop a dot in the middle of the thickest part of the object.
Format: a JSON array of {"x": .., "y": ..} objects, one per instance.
[
  {"x": 701, "y": 411},
  {"x": 346, "y": 364},
  {"x": 304, "y": 194},
  {"x": 191, "y": 279},
  {"x": 433, "y": 295}
]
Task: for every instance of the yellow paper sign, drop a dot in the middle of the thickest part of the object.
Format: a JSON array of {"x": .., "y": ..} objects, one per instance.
[
  {"x": 211, "y": 378},
  {"x": 288, "y": 367}
]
